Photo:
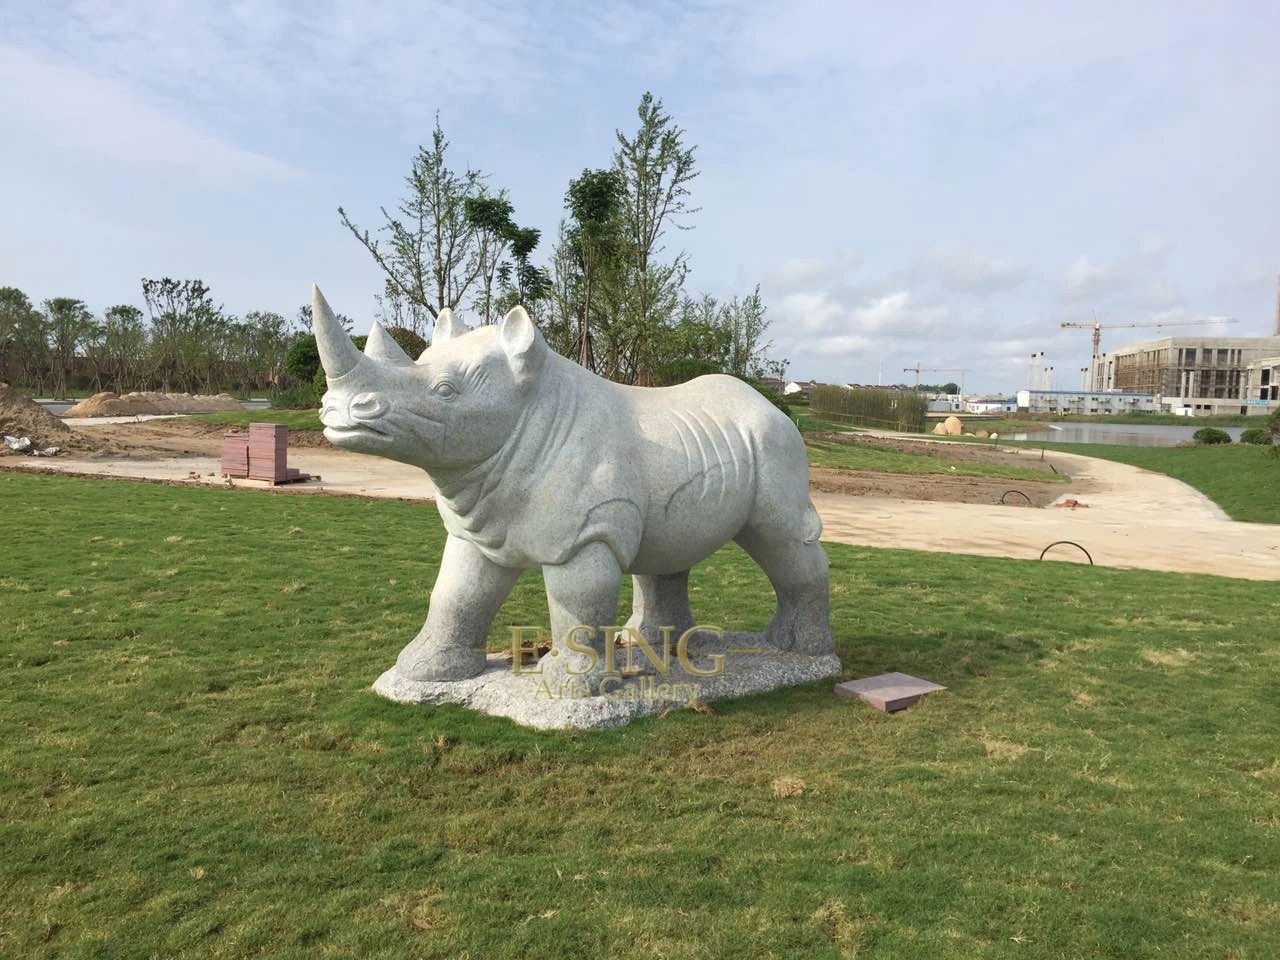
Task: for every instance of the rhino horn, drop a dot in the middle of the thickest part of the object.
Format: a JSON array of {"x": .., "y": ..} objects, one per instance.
[
  {"x": 380, "y": 346},
  {"x": 446, "y": 327},
  {"x": 338, "y": 355}
]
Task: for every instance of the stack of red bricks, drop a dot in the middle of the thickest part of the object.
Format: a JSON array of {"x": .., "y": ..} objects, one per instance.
[
  {"x": 261, "y": 454},
  {"x": 269, "y": 452},
  {"x": 235, "y": 454}
]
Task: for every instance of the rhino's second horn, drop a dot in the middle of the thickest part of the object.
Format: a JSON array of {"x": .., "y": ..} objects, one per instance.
[{"x": 381, "y": 346}]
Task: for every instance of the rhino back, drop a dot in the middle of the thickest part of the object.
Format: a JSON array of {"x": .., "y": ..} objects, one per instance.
[{"x": 700, "y": 445}]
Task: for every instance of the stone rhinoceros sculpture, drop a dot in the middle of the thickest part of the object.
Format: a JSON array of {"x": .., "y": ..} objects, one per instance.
[{"x": 539, "y": 462}]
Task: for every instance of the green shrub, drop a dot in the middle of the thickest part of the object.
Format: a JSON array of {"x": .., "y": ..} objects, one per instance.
[
  {"x": 303, "y": 359},
  {"x": 1260, "y": 436},
  {"x": 409, "y": 342},
  {"x": 1211, "y": 435}
]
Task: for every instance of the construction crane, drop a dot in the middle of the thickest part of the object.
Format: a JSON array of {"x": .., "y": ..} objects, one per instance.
[
  {"x": 1097, "y": 328},
  {"x": 917, "y": 370}
]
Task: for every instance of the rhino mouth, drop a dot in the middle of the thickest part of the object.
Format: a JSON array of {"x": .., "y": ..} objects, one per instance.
[{"x": 354, "y": 431}]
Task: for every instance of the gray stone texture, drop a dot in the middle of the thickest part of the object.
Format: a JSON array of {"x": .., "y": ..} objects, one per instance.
[
  {"x": 539, "y": 463},
  {"x": 623, "y": 697}
]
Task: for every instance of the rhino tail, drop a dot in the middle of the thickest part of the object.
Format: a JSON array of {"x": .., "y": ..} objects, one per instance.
[{"x": 812, "y": 524}]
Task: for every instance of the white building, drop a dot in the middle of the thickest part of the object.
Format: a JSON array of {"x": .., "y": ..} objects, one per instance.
[
  {"x": 992, "y": 405},
  {"x": 1083, "y": 402}
]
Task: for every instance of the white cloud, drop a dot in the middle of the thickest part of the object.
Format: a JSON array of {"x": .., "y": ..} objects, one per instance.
[
  {"x": 68, "y": 110},
  {"x": 968, "y": 271},
  {"x": 803, "y": 273},
  {"x": 1140, "y": 272}
]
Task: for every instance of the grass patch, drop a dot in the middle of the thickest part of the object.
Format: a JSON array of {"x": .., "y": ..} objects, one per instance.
[
  {"x": 194, "y": 766},
  {"x": 1243, "y": 480},
  {"x": 806, "y": 423},
  {"x": 877, "y": 459},
  {"x": 293, "y": 419}
]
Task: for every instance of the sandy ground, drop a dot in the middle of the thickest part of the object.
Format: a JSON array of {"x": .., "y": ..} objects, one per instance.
[{"x": 1131, "y": 518}]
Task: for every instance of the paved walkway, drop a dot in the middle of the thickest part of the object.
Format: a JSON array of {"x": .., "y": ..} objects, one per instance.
[{"x": 1134, "y": 518}]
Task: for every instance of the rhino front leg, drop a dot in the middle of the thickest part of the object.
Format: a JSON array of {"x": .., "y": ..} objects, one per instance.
[
  {"x": 468, "y": 592},
  {"x": 661, "y": 601},
  {"x": 581, "y": 593}
]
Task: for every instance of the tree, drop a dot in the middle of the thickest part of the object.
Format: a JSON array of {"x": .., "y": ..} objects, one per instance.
[
  {"x": 746, "y": 325},
  {"x": 69, "y": 323},
  {"x": 594, "y": 237},
  {"x": 656, "y": 168},
  {"x": 185, "y": 326},
  {"x": 490, "y": 219},
  {"x": 531, "y": 284},
  {"x": 951, "y": 388},
  {"x": 397, "y": 310},
  {"x": 15, "y": 318},
  {"x": 266, "y": 339},
  {"x": 429, "y": 254},
  {"x": 304, "y": 319},
  {"x": 122, "y": 347}
]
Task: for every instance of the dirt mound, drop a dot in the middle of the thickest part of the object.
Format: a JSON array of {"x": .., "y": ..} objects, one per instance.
[
  {"x": 20, "y": 417},
  {"x": 934, "y": 486},
  {"x": 140, "y": 404}
]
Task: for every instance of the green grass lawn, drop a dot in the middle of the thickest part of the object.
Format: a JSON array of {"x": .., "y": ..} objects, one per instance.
[
  {"x": 810, "y": 424},
  {"x": 193, "y": 764},
  {"x": 1244, "y": 480},
  {"x": 867, "y": 456},
  {"x": 293, "y": 419}
]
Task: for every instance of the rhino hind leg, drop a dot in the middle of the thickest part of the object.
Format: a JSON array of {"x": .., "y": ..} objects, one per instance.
[
  {"x": 796, "y": 565},
  {"x": 468, "y": 592},
  {"x": 660, "y": 601}
]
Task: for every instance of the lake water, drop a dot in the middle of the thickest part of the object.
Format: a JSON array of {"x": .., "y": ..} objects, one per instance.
[{"x": 1134, "y": 435}]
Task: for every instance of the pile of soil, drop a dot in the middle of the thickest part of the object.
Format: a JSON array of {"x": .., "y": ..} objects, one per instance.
[
  {"x": 20, "y": 417},
  {"x": 937, "y": 487},
  {"x": 139, "y": 404},
  {"x": 160, "y": 439}
]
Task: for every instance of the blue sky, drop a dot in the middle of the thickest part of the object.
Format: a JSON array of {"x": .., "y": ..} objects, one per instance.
[{"x": 934, "y": 183}]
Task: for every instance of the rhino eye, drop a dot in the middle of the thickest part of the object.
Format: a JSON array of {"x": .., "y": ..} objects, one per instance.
[{"x": 445, "y": 390}]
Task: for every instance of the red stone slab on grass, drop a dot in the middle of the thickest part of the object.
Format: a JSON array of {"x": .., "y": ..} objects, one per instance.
[{"x": 887, "y": 691}]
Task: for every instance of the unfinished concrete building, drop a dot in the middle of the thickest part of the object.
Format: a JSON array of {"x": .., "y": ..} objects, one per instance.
[
  {"x": 1263, "y": 384},
  {"x": 1198, "y": 375}
]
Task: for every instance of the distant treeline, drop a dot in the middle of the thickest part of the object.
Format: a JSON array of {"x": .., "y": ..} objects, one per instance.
[
  {"x": 869, "y": 407},
  {"x": 187, "y": 343}
]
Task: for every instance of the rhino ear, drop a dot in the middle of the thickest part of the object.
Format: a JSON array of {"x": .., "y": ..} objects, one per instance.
[{"x": 521, "y": 342}]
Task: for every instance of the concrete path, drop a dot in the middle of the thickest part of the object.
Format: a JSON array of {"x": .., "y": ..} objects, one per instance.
[{"x": 1134, "y": 518}]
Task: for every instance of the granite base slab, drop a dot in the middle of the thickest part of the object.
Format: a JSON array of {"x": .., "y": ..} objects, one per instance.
[{"x": 749, "y": 667}]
